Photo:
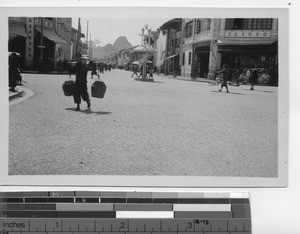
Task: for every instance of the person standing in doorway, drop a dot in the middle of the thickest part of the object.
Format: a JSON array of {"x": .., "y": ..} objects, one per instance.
[
  {"x": 225, "y": 72},
  {"x": 81, "y": 70}
]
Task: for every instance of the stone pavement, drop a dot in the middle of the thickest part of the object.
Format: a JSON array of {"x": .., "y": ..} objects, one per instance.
[
  {"x": 19, "y": 92},
  {"x": 167, "y": 127},
  {"x": 13, "y": 95}
]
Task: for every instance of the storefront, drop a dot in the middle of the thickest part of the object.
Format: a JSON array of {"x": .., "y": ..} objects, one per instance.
[
  {"x": 248, "y": 56},
  {"x": 200, "y": 64},
  {"x": 171, "y": 65},
  {"x": 242, "y": 57},
  {"x": 53, "y": 47}
]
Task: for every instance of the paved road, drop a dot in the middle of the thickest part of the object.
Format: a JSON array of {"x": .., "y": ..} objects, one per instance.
[{"x": 169, "y": 127}]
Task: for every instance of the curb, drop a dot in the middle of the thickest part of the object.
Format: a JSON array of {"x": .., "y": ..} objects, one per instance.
[
  {"x": 145, "y": 80},
  {"x": 44, "y": 73},
  {"x": 185, "y": 78},
  {"x": 19, "y": 93}
]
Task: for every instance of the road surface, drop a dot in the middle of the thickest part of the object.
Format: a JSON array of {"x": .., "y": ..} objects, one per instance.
[{"x": 166, "y": 127}]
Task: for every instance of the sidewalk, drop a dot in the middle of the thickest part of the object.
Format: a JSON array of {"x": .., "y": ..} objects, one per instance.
[
  {"x": 13, "y": 95},
  {"x": 185, "y": 78}
]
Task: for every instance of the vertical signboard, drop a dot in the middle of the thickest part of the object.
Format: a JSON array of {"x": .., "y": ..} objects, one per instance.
[{"x": 29, "y": 41}]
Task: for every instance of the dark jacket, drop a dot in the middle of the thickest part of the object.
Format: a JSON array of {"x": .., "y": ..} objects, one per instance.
[
  {"x": 226, "y": 74},
  {"x": 80, "y": 69}
]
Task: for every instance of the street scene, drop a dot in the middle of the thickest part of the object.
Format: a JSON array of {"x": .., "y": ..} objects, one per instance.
[{"x": 176, "y": 103}]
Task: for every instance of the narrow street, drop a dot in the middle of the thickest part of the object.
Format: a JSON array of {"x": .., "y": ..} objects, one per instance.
[{"x": 166, "y": 127}]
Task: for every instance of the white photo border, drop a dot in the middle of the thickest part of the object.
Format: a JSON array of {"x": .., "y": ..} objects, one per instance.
[{"x": 282, "y": 13}]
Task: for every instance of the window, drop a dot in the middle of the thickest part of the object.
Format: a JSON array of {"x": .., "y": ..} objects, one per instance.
[
  {"x": 183, "y": 59},
  {"x": 205, "y": 25},
  {"x": 248, "y": 24},
  {"x": 197, "y": 26},
  {"x": 190, "y": 57},
  {"x": 202, "y": 25},
  {"x": 188, "y": 29}
]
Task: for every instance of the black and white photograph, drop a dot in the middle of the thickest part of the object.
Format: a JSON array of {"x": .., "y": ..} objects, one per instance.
[{"x": 180, "y": 94}]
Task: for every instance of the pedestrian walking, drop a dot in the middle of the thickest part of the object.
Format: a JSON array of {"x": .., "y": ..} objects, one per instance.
[
  {"x": 140, "y": 70},
  {"x": 248, "y": 74},
  {"x": 94, "y": 70},
  {"x": 102, "y": 68},
  {"x": 225, "y": 72},
  {"x": 254, "y": 77},
  {"x": 80, "y": 90},
  {"x": 135, "y": 71},
  {"x": 151, "y": 72}
]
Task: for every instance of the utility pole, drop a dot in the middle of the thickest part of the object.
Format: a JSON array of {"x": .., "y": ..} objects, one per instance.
[
  {"x": 78, "y": 35},
  {"x": 41, "y": 68},
  {"x": 87, "y": 32},
  {"x": 142, "y": 38},
  {"x": 90, "y": 47},
  {"x": 87, "y": 38}
]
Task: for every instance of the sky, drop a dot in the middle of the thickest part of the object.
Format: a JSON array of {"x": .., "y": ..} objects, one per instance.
[{"x": 108, "y": 30}]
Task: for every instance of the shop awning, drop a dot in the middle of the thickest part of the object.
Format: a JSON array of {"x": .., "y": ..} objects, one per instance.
[
  {"x": 16, "y": 30},
  {"x": 172, "y": 24},
  {"x": 172, "y": 56},
  {"x": 52, "y": 36},
  {"x": 245, "y": 42},
  {"x": 249, "y": 46}
]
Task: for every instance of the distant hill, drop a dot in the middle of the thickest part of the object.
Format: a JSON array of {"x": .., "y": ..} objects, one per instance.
[
  {"x": 122, "y": 43},
  {"x": 105, "y": 51}
]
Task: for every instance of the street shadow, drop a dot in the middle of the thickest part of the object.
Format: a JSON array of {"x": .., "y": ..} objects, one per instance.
[
  {"x": 89, "y": 111},
  {"x": 229, "y": 92},
  {"x": 151, "y": 82},
  {"x": 264, "y": 91}
]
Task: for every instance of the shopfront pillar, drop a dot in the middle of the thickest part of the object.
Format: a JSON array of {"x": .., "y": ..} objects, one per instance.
[
  {"x": 213, "y": 60},
  {"x": 216, "y": 26}
]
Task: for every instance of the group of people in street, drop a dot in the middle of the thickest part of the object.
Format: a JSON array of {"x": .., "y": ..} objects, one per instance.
[
  {"x": 139, "y": 68},
  {"x": 98, "y": 68},
  {"x": 253, "y": 77}
]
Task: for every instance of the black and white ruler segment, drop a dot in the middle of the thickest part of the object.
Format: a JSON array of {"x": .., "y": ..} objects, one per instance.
[{"x": 70, "y": 212}]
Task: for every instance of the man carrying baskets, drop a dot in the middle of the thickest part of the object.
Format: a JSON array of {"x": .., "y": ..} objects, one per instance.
[{"x": 80, "y": 89}]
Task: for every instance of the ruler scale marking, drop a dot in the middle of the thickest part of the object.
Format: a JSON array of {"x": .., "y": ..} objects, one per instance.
[{"x": 225, "y": 212}]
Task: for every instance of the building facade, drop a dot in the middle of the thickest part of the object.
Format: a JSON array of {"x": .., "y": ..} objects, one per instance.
[
  {"x": 36, "y": 39},
  {"x": 198, "y": 47},
  {"x": 173, "y": 31},
  {"x": 242, "y": 44}
]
